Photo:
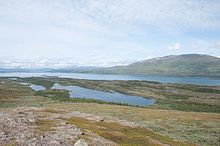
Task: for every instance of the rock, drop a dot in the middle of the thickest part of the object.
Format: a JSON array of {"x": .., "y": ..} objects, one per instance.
[
  {"x": 81, "y": 142},
  {"x": 33, "y": 142},
  {"x": 55, "y": 142},
  {"x": 21, "y": 114},
  {"x": 63, "y": 123},
  {"x": 30, "y": 115},
  {"x": 42, "y": 137},
  {"x": 20, "y": 127},
  {"x": 31, "y": 120},
  {"x": 3, "y": 135}
]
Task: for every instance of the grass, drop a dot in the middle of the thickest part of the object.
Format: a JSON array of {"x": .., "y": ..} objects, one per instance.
[
  {"x": 199, "y": 128},
  {"x": 195, "y": 88},
  {"x": 39, "y": 81},
  {"x": 54, "y": 93},
  {"x": 187, "y": 106},
  {"x": 13, "y": 94},
  {"x": 44, "y": 125},
  {"x": 169, "y": 96},
  {"x": 124, "y": 135},
  {"x": 174, "y": 96}
]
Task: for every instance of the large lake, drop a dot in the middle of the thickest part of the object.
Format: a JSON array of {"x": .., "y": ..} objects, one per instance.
[
  {"x": 163, "y": 79},
  {"x": 115, "y": 97},
  {"x": 80, "y": 92}
]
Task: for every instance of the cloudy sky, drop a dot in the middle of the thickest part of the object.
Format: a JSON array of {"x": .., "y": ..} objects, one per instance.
[{"x": 62, "y": 33}]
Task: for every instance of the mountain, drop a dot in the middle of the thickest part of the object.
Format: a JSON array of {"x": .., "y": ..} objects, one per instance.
[
  {"x": 74, "y": 69},
  {"x": 11, "y": 70},
  {"x": 48, "y": 70},
  {"x": 173, "y": 65}
]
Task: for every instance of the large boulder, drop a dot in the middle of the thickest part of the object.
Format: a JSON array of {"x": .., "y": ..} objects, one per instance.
[{"x": 81, "y": 142}]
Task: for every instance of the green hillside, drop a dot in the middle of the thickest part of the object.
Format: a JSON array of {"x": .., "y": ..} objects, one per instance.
[{"x": 177, "y": 65}]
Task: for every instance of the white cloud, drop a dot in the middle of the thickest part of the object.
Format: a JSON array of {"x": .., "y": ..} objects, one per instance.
[
  {"x": 205, "y": 45},
  {"x": 215, "y": 46},
  {"x": 97, "y": 31},
  {"x": 162, "y": 13},
  {"x": 175, "y": 46},
  {"x": 55, "y": 63}
]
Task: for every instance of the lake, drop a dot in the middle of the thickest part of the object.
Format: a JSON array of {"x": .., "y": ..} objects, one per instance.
[
  {"x": 36, "y": 87},
  {"x": 80, "y": 92},
  {"x": 163, "y": 79}
]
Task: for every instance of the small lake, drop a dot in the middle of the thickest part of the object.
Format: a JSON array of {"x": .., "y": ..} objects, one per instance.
[
  {"x": 80, "y": 92},
  {"x": 37, "y": 87},
  {"x": 163, "y": 79}
]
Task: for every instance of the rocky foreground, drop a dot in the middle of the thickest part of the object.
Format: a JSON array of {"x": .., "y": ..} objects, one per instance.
[
  {"x": 34, "y": 127},
  {"x": 78, "y": 124}
]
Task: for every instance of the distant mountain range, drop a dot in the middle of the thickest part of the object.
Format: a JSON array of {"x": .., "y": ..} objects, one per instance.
[
  {"x": 11, "y": 70},
  {"x": 173, "y": 65},
  {"x": 50, "y": 70}
]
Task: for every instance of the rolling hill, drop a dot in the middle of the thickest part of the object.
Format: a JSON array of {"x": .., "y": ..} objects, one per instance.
[{"x": 174, "y": 65}]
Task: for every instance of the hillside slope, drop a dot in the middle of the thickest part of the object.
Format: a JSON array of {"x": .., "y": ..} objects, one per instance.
[{"x": 177, "y": 65}]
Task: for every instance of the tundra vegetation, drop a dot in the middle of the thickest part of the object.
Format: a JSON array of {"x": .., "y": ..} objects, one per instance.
[{"x": 181, "y": 115}]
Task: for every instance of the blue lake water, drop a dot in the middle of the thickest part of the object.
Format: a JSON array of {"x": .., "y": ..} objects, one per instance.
[
  {"x": 80, "y": 92},
  {"x": 162, "y": 79},
  {"x": 37, "y": 87}
]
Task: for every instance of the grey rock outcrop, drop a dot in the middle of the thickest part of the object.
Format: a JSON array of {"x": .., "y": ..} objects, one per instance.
[{"x": 81, "y": 142}]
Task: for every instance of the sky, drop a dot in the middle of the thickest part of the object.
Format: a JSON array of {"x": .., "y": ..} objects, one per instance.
[{"x": 66, "y": 33}]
